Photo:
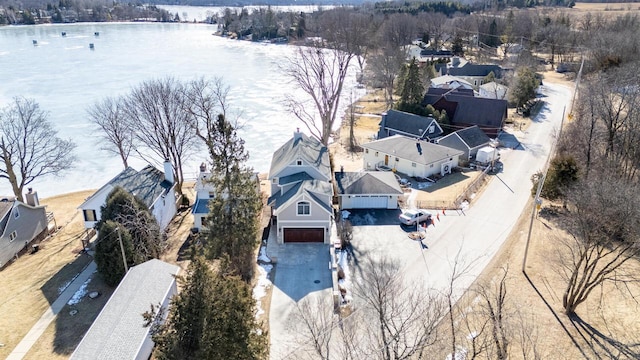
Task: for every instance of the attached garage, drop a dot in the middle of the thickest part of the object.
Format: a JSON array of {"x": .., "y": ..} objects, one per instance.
[
  {"x": 366, "y": 202},
  {"x": 368, "y": 190},
  {"x": 303, "y": 235}
]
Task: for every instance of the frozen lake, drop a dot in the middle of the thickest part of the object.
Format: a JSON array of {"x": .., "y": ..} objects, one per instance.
[{"x": 64, "y": 76}]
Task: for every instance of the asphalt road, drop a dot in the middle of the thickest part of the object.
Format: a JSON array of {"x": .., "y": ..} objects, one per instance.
[{"x": 472, "y": 237}]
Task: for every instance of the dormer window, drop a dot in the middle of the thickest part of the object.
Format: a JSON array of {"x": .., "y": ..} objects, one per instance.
[
  {"x": 299, "y": 162},
  {"x": 304, "y": 208}
]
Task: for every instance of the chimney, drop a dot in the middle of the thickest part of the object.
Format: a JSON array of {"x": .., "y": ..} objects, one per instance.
[
  {"x": 168, "y": 171},
  {"x": 297, "y": 135},
  {"x": 203, "y": 167},
  {"x": 32, "y": 198}
]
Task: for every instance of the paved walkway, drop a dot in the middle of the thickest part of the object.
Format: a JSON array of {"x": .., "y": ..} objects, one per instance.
[{"x": 36, "y": 331}]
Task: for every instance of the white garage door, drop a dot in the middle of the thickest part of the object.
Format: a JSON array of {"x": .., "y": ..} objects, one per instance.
[{"x": 369, "y": 202}]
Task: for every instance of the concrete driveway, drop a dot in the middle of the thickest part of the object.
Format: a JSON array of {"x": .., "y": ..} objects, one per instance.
[{"x": 301, "y": 272}]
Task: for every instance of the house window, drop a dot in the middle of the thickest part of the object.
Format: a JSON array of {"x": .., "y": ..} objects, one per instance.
[
  {"x": 212, "y": 195},
  {"x": 366, "y": 151},
  {"x": 13, "y": 236},
  {"x": 432, "y": 129},
  {"x": 89, "y": 215},
  {"x": 299, "y": 162},
  {"x": 376, "y": 154},
  {"x": 397, "y": 159},
  {"x": 431, "y": 165},
  {"x": 274, "y": 180},
  {"x": 16, "y": 213},
  {"x": 304, "y": 208},
  {"x": 413, "y": 164}
]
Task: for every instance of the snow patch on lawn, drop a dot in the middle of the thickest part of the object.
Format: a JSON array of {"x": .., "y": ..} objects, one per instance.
[
  {"x": 82, "y": 291},
  {"x": 263, "y": 284}
]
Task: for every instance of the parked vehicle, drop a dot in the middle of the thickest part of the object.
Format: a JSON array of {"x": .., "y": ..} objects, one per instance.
[{"x": 411, "y": 217}]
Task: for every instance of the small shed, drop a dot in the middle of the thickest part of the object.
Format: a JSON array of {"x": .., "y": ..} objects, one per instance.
[
  {"x": 119, "y": 332},
  {"x": 486, "y": 155}
]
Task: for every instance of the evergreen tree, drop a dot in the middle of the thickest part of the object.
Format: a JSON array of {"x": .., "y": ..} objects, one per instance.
[
  {"x": 211, "y": 318},
  {"x": 133, "y": 214},
  {"x": 457, "y": 48},
  {"x": 109, "y": 254},
  {"x": 232, "y": 331},
  {"x": 180, "y": 337},
  {"x": 235, "y": 207},
  {"x": 412, "y": 90},
  {"x": 524, "y": 87}
]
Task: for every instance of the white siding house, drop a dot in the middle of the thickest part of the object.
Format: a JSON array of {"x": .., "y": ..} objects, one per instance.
[
  {"x": 153, "y": 187},
  {"x": 410, "y": 156}
]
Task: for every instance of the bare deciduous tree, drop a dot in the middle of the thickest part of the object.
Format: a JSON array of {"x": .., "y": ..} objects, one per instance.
[
  {"x": 29, "y": 147},
  {"x": 320, "y": 74},
  {"x": 317, "y": 319},
  {"x": 604, "y": 231},
  {"x": 157, "y": 111},
  {"x": 401, "y": 318},
  {"x": 116, "y": 134}
]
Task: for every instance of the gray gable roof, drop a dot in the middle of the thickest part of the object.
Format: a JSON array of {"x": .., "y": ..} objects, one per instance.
[
  {"x": 147, "y": 184},
  {"x": 367, "y": 182},
  {"x": 410, "y": 124},
  {"x": 473, "y": 136},
  {"x": 301, "y": 176},
  {"x": 301, "y": 147},
  {"x": 308, "y": 187},
  {"x": 118, "y": 331},
  {"x": 475, "y": 70},
  {"x": 405, "y": 148}
]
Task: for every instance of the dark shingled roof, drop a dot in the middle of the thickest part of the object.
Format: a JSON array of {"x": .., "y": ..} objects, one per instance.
[
  {"x": 147, "y": 184},
  {"x": 302, "y": 147},
  {"x": 488, "y": 113},
  {"x": 405, "y": 148},
  {"x": 473, "y": 136},
  {"x": 409, "y": 123},
  {"x": 367, "y": 182},
  {"x": 464, "y": 109},
  {"x": 309, "y": 187}
]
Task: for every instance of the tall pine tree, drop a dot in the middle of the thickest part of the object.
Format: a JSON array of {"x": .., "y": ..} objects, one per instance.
[
  {"x": 211, "y": 318},
  {"x": 412, "y": 90},
  {"x": 109, "y": 254},
  {"x": 235, "y": 207}
]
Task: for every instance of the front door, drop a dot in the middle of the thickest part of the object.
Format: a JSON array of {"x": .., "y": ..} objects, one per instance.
[{"x": 386, "y": 159}]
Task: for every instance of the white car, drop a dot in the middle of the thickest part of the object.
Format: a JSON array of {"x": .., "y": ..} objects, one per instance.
[{"x": 410, "y": 217}]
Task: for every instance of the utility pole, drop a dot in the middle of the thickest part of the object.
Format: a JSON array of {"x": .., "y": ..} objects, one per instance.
[
  {"x": 536, "y": 200},
  {"x": 124, "y": 257}
]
